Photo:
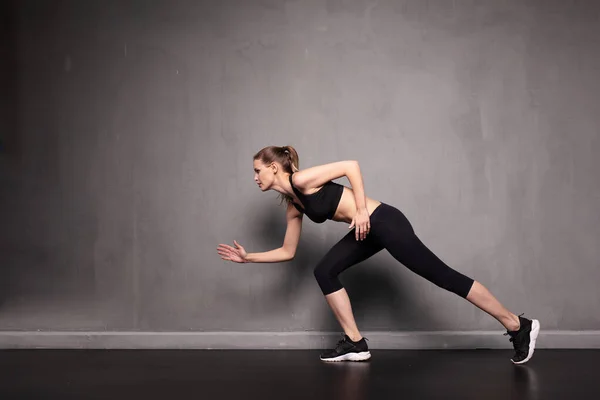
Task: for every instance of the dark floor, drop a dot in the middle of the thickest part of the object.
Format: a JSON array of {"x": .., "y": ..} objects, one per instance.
[{"x": 296, "y": 374}]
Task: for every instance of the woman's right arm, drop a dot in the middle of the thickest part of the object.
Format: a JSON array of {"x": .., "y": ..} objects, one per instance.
[{"x": 290, "y": 242}]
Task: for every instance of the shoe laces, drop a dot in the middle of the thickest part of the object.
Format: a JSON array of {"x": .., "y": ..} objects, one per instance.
[
  {"x": 341, "y": 342},
  {"x": 512, "y": 338}
]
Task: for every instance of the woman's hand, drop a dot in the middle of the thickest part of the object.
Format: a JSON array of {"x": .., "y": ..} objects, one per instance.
[
  {"x": 236, "y": 254},
  {"x": 363, "y": 225}
]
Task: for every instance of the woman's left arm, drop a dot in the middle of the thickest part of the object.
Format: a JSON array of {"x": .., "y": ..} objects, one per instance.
[
  {"x": 361, "y": 220},
  {"x": 355, "y": 178}
]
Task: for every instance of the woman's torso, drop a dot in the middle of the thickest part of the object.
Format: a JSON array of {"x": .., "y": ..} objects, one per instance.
[{"x": 346, "y": 208}]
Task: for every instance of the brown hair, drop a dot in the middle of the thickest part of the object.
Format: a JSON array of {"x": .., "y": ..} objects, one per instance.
[{"x": 287, "y": 156}]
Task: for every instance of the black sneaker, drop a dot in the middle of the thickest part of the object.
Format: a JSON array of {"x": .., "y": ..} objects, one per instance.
[
  {"x": 524, "y": 339},
  {"x": 347, "y": 350}
]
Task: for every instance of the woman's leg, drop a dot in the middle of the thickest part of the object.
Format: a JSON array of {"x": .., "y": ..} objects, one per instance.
[
  {"x": 482, "y": 298},
  {"x": 342, "y": 308},
  {"x": 398, "y": 237},
  {"x": 344, "y": 254}
]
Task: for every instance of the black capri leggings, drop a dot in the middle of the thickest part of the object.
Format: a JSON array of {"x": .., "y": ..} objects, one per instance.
[{"x": 390, "y": 230}]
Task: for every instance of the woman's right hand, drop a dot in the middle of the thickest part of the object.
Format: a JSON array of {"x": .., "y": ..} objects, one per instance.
[{"x": 235, "y": 254}]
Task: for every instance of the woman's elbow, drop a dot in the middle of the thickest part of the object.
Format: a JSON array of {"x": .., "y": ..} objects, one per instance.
[{"x": 289, "y": 254}]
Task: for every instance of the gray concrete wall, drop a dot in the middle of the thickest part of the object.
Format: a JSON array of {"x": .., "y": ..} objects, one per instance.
[{"x": 133, "y": 125}]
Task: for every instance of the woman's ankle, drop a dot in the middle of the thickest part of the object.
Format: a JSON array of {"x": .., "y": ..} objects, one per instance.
[
  {"x": 355, "y": 337},
  {"x": 512, "y": 324}
]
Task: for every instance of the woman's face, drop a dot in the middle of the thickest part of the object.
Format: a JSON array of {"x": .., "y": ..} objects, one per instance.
[{"x": 263, "y": 175}]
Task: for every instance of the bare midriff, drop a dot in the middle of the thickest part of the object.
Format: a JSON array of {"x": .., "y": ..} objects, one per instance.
[{"x": 346, "y": 209}]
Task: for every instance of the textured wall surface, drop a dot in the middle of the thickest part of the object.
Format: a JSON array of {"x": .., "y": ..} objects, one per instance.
[{"x": 127, "y": 157}]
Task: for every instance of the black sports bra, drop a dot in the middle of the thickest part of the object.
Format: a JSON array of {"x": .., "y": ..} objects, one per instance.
[{"x": 320, "y": 206}]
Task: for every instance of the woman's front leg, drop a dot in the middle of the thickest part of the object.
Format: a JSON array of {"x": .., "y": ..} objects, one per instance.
[{"x": 342, "y": 309}]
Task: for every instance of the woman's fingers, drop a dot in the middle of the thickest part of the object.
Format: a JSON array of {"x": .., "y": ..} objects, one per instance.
[
  {"x": 225, "y": 247},
  {"x": 362, "y": 225},
  {"x": 362, "y": 231},
  {"x": 229, "y": 253},
  {"x": 224, "y": 252}
]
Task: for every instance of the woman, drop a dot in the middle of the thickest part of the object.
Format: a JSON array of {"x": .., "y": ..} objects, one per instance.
[{"x": 376, "y": 226}]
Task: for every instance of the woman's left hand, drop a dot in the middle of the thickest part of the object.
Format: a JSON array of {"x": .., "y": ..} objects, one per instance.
[{"x": 362, "y": 223}]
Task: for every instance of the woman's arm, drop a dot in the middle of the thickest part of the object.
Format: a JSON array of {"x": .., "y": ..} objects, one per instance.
[
  {"x": 318, "y": 175},
  {"x": 271, "y": 256},
  {"x": 361, "y": 221},
  {"x": 355, "y": 178},
  {"x": 290, "y": 242}
]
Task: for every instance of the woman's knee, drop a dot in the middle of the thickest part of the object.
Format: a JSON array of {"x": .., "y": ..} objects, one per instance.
[
  {"x": 328, "y": 282},
  {"x": 320, "y": 272}
]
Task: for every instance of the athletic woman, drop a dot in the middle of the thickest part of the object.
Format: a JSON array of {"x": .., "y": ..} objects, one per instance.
[{"x": 374, "y": 226}]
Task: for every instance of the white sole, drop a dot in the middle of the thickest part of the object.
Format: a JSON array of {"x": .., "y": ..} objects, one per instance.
[
  {"x": 535, "y": 330},
  {"x": 365, "y": 355}
]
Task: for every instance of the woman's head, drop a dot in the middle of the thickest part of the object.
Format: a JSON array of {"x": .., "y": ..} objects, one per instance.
[{"x": 272, "y": 160}]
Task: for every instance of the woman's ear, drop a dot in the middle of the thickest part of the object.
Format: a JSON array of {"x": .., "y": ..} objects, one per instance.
[{"x": 274, "y": 167}]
